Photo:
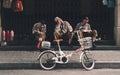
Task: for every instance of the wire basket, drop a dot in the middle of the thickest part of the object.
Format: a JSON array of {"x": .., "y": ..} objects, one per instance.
[{"x": 86, "y": 42}]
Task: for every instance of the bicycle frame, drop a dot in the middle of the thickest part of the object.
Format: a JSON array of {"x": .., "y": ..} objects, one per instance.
[{"x": 62, "y": 54}]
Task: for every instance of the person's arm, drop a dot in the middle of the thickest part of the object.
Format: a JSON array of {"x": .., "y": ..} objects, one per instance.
[
  {"x": 45, "y": 28},
  {"x": 34, "y": 29},
  {"x": 57, "y": 28},
  {"x": 77, "y": 27},
  {"x": 70, "y": 29}
]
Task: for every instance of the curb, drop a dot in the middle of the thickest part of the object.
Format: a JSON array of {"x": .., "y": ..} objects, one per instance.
[
  {"x": 98, "y": 65},
  {"x": 33, "y": 48}
]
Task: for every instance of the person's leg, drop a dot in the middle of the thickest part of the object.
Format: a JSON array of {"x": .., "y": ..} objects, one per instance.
[
  {"x": 37, "y": 40},
  {"x": 81, "y": 34},
  {"x": 41, "y": 37},
  {"x": 94, "y": 34},
  {"x": 70, "y": 35},
  {"x": 56, "y": 35},
  {"x": 39, "y": 43}
]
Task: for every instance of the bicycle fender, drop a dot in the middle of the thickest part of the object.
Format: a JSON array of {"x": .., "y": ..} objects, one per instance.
[
  {"x": 45, "y": 52},
  {"x": 81, "y": 56}
]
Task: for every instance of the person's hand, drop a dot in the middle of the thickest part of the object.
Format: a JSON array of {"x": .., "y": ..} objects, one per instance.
[
  {"x": 84, "y": 30},
  {"x": 38, "y": 32},
  {"x": 34, "y": 31},
  {"x": 40, "y": 39}
]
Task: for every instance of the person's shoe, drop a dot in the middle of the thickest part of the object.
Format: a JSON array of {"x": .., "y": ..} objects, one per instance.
[
  {"x": 98, "y": 39},
  {"x": 94, "y": 46}
]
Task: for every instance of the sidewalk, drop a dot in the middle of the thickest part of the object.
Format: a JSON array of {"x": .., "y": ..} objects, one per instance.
[{"x": 20, "y": 57}]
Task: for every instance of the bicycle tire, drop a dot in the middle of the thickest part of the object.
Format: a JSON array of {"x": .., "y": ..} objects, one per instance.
[
  {"x": 87, "y": 62},
  {"x": 46, "y": 61}
]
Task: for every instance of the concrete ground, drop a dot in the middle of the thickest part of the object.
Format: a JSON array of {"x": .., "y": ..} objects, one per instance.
[{"x": 16, "y": 57}]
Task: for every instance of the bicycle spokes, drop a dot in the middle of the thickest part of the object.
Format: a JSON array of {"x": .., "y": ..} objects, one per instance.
[
  {"x": 46, "y": 60},
  {"x": 87, "y": 62}
]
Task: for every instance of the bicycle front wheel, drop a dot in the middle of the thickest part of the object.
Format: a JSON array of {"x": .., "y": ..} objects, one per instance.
[
  {"x": 46, "y": 61},
  {"x": 87, "y": 61}
]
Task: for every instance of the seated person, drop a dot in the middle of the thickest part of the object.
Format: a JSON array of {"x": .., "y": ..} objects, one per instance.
[
  {"x": 85, "y": 30},
  {"x": 62, "y": 29},
  {"x": 39, "y": 30}
]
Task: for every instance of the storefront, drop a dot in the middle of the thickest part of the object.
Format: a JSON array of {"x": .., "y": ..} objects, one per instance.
[{"x": 102, "y": 18}]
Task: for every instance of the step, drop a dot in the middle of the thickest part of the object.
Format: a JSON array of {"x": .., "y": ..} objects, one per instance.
[
  {"x": 64, "y": 43},
  {"x": 69, "y": 48},
  {"x": 28, "y": 60}
]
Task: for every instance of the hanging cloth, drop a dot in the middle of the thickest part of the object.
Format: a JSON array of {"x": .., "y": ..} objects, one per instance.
[
  {"x": 7, "y": 3},
  {"x": 17, "y": 6}
]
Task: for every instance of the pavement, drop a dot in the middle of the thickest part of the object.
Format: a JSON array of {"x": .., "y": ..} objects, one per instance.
[{"x": 25, "y": 57}]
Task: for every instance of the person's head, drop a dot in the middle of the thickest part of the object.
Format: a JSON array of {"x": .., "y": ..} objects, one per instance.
[
  {"x": 85, "y": 20},
  {"x": 58, "y": 20}
]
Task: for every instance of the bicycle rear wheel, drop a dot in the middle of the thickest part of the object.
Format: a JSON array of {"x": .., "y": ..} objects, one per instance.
[
  {"x": 46, "y": 61},
  {"x": 87, "y": 61}
]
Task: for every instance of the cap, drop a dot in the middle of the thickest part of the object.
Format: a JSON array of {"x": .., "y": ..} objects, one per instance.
[{"x": 56, "y": 18}]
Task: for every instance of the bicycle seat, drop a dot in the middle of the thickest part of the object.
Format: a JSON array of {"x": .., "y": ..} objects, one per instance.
[{"x": 58, "y": 40}]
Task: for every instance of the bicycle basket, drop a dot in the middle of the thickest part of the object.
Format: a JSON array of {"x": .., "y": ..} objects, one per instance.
[
  {"x": 86, "y": 42},
  {"x": 45, "y": 44}
]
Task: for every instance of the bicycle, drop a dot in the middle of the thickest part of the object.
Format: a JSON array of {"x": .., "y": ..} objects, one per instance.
[{"x": 49, "y": 58}]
